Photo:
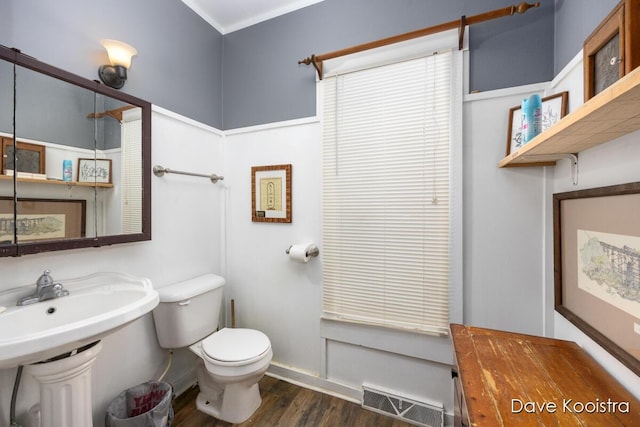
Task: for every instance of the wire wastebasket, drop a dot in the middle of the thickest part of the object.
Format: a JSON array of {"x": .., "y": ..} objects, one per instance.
[{"x": 145, "y": 405}]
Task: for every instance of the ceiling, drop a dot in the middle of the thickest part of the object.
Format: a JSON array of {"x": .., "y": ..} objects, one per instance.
[{"x": 227, "y": 16}]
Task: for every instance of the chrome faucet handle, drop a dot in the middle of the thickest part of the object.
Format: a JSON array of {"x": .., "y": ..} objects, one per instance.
[
  {"x": 54, "y": 291},
  {"x": 44, "y": 280},
  {"x": 59, "y": 290}
]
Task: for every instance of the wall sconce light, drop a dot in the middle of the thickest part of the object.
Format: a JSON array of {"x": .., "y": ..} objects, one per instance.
[{"x": 115, "y": 74}]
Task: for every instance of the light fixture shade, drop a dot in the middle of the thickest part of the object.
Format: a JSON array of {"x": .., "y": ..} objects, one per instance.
[{"x": 119, "y": 53}]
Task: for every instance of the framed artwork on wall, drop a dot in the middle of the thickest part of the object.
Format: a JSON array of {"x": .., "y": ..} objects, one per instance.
[
  {"x": 271, "y": 193},
  {"x": 554, "y": 107},
  {"x": 611, "y": 50},
  {"x": 597, "y": 266}
]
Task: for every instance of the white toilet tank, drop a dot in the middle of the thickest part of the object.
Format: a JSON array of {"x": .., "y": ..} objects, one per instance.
[{"x": 188, "y": 311}]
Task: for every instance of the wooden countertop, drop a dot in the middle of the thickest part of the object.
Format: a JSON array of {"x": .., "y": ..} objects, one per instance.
[{"x": 511, "y": 379}]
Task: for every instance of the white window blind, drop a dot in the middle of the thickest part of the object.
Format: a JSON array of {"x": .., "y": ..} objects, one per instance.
[
  {"x": 386, "y": 195},
  {"x": 131, "y": 130}
]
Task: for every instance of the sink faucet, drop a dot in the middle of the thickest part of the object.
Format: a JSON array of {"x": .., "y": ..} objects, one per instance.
[{"x": 46, "y": 289}]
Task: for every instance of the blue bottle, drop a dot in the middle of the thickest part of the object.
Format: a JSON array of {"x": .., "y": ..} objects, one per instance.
[
  {"x": 535, "y": 125},
  {"x": 67, "y": 171},
  {"x": 524, "y": 121}
]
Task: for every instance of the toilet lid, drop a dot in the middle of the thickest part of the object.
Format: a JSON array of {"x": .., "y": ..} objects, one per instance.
[{"x": 235, "y": 345}]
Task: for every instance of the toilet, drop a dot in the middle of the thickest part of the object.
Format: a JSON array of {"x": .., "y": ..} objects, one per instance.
[{"x": 230, "y": 361}]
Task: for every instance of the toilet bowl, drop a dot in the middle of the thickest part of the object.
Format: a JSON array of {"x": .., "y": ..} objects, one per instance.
[{"x": 230, "y": 362}]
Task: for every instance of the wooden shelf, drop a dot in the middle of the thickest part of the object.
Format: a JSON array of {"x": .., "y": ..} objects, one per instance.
[
  {"x": 57, "y": 182},
  {"x": 611, "y": 114}
]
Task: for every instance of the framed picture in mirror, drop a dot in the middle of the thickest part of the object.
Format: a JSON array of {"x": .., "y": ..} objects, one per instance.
[
  {"x": 94, "y": 170},
  {"x": 30, "y": 158},
  {"x": 43, "y": 219}
]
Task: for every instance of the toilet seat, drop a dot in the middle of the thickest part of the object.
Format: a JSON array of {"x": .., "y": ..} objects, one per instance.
[{"x": 236, "y": 346}]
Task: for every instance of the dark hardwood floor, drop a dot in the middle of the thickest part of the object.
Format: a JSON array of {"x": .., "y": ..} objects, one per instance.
[{"x": 287, "y": 405}]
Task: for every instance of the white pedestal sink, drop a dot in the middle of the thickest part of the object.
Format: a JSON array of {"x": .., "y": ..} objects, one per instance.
[{"x": 61, "y": 329}]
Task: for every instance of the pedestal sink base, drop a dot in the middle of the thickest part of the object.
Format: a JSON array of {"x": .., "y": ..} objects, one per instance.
[{"x": 65, "y": 388}]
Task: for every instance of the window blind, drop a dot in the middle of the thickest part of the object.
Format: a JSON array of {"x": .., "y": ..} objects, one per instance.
[
  {"x": 386, "y": 195},
  {"x": 131, "y": 171}
]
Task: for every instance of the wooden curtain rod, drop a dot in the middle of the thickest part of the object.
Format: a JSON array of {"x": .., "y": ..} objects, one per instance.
[
  {"x": 116, "y": 113},
  {"x": 460, "y": 24}
]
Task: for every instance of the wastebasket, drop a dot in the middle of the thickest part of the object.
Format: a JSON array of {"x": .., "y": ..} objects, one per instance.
[{"x": 145, "y": 405}]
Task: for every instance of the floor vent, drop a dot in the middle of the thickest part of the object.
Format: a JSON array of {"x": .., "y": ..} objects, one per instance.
[{"x": 417, "y": 413}]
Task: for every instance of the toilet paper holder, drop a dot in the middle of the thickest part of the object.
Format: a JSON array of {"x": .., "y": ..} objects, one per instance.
[{"x": 313, "y": 252}]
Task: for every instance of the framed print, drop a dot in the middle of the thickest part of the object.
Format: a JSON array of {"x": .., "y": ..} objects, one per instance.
[
  {"x": 30, "y": 157},
  {"x": 597, "y": 266},
  {"x": 42, "y": 219},
  {"x": 271, "y": 193},
  {"x": 554, "y": 108},
  {"x": 94, "y": 170},
  {"x": 603, "y": 53},
  {"x": 611, "y": 50}
]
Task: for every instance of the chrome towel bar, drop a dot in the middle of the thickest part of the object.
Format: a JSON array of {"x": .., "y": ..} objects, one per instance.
[{"x": 160, "y": 171}]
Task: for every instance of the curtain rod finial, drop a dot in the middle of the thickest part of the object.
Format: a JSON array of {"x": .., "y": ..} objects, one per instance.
[
  {"x": 524, "y": 6},
  {"x": 317, "y": 64}
]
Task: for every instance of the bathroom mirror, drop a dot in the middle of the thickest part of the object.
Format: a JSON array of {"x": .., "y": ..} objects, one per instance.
[{"x": 76, "y": 160}]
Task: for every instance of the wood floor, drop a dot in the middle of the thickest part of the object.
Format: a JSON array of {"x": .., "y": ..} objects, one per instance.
[{"x": 287, "y": 405}]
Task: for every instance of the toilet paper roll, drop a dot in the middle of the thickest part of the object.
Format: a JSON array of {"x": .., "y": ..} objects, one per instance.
[{"x": 300, "y": 253}]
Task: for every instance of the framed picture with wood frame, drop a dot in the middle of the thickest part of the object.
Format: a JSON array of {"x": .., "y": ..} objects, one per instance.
[
  {"x": 597, "y": 266},
  {"x": 554, "y": 107},
  {"x": 94, "y": 170},
  {"x": 29, "y": 158},
  {"x": 612, "y": 50},
  {"x": 271, "y": 193},
  {"x": 42, "y": 219}
]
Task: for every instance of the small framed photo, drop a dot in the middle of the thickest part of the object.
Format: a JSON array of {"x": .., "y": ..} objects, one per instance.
[
  {"x": 554, "y": 108},
  {"x": 94, "y": 170},
  {"x": 29, "y": 157},
  {"x": 271, "y": 193}
]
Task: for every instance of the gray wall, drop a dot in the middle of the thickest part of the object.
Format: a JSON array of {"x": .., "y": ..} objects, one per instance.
[
  {"x": 178, "y": 65},
  {"x": 574, "y": 21},
  {"x": 52, "y": 110},
  {"x": 6, "y": 96},
  {"x": 263, "y": 83},
  {"x": 181, "y": 58}
]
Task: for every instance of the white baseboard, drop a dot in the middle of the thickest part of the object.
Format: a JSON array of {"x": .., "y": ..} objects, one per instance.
[{"x": 310, "y": 381}]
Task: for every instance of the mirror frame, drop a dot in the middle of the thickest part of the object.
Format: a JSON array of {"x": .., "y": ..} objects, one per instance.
[{"x": 17, "y": 249}]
